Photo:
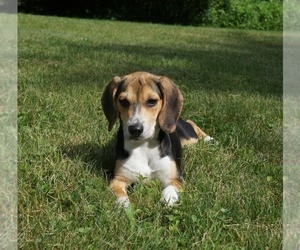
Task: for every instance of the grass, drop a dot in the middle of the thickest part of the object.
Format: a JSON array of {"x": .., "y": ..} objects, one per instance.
[{"x": 232, "y": 84}]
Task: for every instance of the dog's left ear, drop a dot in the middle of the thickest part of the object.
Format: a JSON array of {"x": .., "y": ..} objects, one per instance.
[
  {"x": 107, "y": 102},
  {"x": 172, "y": 105}
]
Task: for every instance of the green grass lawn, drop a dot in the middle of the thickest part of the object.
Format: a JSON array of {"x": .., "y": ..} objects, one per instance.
[{"x": 232, "y": 84}]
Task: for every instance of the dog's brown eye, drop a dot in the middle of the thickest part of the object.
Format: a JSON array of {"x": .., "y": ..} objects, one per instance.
[
  {"x": 124, "y": 103},
  {"x": 151, "y": 102}
]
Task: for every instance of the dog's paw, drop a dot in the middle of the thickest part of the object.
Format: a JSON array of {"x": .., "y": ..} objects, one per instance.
[
  {"x": 169, "y": 196},
  {"x": 208, "y": 138},
  {"x": 123, "y": 202}
]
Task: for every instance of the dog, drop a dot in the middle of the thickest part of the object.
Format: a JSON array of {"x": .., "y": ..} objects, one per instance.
[{"x": 151, "y": 134}]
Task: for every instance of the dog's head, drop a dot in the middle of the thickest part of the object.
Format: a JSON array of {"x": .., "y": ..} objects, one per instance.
[{"x": 144, "y": 102}]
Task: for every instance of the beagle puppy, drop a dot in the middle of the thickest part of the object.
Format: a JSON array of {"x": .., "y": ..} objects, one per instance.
[{"x": 151, "y": 134}]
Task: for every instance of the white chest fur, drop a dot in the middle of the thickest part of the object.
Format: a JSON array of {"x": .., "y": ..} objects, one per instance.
[{"x": 145, "y": 162}]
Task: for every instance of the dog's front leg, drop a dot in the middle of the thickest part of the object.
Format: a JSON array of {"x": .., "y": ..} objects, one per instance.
[
  {"x": 170, "y": 193},
  {"x": 119, "y": 187}
]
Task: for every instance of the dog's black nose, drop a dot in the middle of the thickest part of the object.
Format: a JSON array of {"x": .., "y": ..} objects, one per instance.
[{"x": 136, "y": 129}]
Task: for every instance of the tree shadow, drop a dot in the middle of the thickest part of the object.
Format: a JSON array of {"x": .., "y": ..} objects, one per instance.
[{"x": 242, "y": 64}]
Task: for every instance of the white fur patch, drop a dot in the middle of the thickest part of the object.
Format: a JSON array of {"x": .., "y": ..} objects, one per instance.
[
  {"x": 208, "y": 138},
  {"x": 123, "y": 202},
  {"x": 145, "y": 162},
  {"x": 169, "y": 196}
]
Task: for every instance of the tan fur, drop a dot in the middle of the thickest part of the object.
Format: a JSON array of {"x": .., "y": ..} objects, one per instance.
[
  {"x": 198, "y": 130},
  {"x": 137, "y": 95},
  {"x": 174, "y": 181},
  {"x": 187, "y": 142},
  {"x": 118, "y": 187},
  {"x": 119, "y": 184}
]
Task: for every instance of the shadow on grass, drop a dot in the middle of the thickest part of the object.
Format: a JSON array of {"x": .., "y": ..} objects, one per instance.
[
  {"x": 254, "y": 65},
  {"x": 96, "y": 159}
]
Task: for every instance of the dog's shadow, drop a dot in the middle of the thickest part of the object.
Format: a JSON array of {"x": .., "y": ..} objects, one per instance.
[{"x": 96, "y": 158}]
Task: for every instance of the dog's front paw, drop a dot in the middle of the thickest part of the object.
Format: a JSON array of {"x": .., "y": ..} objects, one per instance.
[
  {"x": 208, "y": 138},
  {"x": 123, "y": 202},
  {"x": 169, "y": 196}
]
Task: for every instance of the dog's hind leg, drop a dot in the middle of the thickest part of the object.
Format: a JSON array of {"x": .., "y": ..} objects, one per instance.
[{"x": 200, "y": 133}]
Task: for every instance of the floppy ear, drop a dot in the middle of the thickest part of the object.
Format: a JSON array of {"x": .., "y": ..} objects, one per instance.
[
  {"x": 172, "y": 105},
  {"x": 107, "y": 102}
]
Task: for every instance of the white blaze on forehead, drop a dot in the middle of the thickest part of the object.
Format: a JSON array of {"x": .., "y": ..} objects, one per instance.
[
  {"x": 137, "y": 90},
  {"x": 137, "y": 116}
]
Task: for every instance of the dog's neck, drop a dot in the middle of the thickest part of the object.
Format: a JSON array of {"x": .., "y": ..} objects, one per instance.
[
  {"x": 132, "y": 144},
  {"x": 152, "y": 142}
]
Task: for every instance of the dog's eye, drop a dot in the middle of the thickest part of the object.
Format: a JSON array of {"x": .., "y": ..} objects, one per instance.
[
  {"x": 124, "y": 103},
  {"x": 151, "y": 102}
]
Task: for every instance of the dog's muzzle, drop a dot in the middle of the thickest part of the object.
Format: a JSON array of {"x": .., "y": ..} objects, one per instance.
[{"x": 136, "y": 130}]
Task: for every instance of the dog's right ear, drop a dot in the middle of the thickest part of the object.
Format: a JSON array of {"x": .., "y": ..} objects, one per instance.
[{"x": 107, "y": 102}]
